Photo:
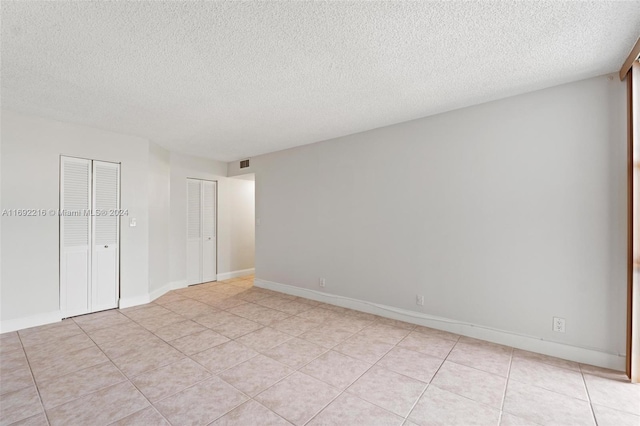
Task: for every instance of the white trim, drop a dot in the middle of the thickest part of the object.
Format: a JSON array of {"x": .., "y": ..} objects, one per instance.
[
  {"x": 30, "y": 321},
  {"x": 520, "y": 341},
  {"x": 150, "y": 297},
  {"x": 235, "y": 274}
]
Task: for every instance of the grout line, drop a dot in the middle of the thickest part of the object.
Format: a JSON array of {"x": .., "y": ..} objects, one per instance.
[
  {"x": 506, "y": 385},
  {"x": 586, "y": 388},
  {"x": 33, "y": 379}
]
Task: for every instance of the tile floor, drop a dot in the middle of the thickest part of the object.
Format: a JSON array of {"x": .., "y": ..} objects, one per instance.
[{"x": 228, "y": 353}]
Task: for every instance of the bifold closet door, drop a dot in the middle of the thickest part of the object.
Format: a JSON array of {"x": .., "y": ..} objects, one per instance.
[
  {"x": 75, "y": 236},
  {"x": 208, "y": 231},
  {"x": 106, "y": 236},
  {"x": 89, "y": 236},
  {"x": 201, "y": 231}
]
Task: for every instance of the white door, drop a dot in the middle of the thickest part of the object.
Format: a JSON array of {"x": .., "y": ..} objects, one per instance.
[
  {"x": 75, "y": 236},
  {"x": 208, "y": 231},
  {"x": 201, "y": 231},
  {"x": 194, "y": 232},
  {"x": 106, "y": 236},
  {"x": 89, "y": 236}
]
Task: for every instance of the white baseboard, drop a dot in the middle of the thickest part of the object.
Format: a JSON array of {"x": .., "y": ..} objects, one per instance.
[
  {"x": 143, "y": 299},
  {"x": 235, "y": 274},
  {"x": 30, "y": 321},
  {"x": 528, "y": 343}
]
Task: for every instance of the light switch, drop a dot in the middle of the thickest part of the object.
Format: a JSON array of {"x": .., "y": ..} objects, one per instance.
[{"x": 132, "y": 222}]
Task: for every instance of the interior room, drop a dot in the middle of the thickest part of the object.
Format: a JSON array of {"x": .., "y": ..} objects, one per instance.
[{"x": 320, "y": 213}]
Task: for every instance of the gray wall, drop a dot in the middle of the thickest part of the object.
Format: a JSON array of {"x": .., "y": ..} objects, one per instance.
[
  {"x": 503, "y": 214},
  {"x": 159, "y": 216}
]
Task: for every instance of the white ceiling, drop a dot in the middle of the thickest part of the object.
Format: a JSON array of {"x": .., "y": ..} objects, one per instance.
[{"x": 232, "y": 80}]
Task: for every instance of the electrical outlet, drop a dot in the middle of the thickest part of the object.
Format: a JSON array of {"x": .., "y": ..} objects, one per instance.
[
  {"x": 323, "y": 282},
  {"x": 558, "y": 324},
  {"x": 419, "y": 300}
]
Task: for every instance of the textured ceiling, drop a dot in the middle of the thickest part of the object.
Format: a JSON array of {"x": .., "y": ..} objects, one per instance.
[{"x": 228, "y": 80}]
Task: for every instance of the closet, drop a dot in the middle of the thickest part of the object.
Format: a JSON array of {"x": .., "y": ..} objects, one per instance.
[
  {"x": 89, "y": 235},
  {"x": 201, "y": 231}
]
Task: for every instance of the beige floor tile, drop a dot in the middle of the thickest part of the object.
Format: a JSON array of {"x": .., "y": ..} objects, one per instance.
[
  {"x": 336, "y": 369},
  {"x": 131, "y": 344},
  {"x": 546, "y": 359},
  {"x": 609, "y": 417},
  {"x": 157, "y": 322},
  {"x": 253, "y": 296},
  {"x": 385, "y": 333},
  {"x": 476, "y": 385},
  {"x": 147, "y": 358},
  {"x": 292, "y": 307},
  {"x": 603, "y": 372},
  {"x": 364, "y": 348},
  {"x": 215, "y": 318},
  {"x": 355, "y": 325},
  {"x": 50, "y": 368},
  {"x": 15, "y": 379},
  {"x": 110, "y": 318},
  {"x": 170, "y": 379},
  {"x": 48, "y": 334},
  {"x": 150, "y": 310},
  {"x": 102, "y": 407},
  {"x": 432, "y": 332},
  {"x": 146, "y": 417},
  {"x": 65, "y": 388},
  {"x": 255, "y": 375},
  {"x": 298, "y": 397},
  {"x": 263, "y": 339},
  {"x": 128, "y": 331},
  {"x": 395, "y": 323},
  {"x": 9, "y": 342},
  {"x": 200, "y": 404},
  {"x": 179, "y": 329},
  {"x": 617, "y": 394},
  {"x": 198, "y": 342},
  {"x": 190, "y": 308},
  {"x": 13, "y": 360},
  {"x": 295, "y": 352},
  {"x": 169, "y": 297},
  {"x": 351, "y": 410},
  {"x": 223, "y": 356},
  {"x": 392, "y": 391},
  {"x": 19, "y": 405},
  {"x": 491, "y": 359},
  {"x": 37, "y": 420},
  {"x": 413, "y": 364},
  {"x": 438, "y": 407},
  {"x": 326, "y": 337},
  {"x": 545, "y": 407},
  {"x": 295, "y": 326},
  {"x": 556, "y": 379},
  {"x": 237, "y": 327},
  {"x": 318, "y": 314},
  {"x": 59, "y": 348},
  {"x": 507, "y": 419},
  {"x": 224, "y": 303},
  {"x": 251, "y": 413},
  {"x": 434, "y": 346}
]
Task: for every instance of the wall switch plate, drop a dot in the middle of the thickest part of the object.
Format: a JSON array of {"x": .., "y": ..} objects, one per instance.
[
  {"x": 419, "y": 300},
  {"x": 558, "y": 324},
  {"x": 132, "y": 222},
  {"x": 323, "y": 282}
]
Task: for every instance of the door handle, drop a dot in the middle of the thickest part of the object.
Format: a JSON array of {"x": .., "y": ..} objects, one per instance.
[{"x": 106, "y": 246}]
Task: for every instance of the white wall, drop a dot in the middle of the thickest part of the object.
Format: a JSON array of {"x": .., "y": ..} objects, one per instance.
[
  {"x": 159, "y": 217},
  {"x": 502, "y": 215},
  {"x": 153, "y": 183},
  {"x": 31, "y": 149},
  {"x": 241, "y": 237}
]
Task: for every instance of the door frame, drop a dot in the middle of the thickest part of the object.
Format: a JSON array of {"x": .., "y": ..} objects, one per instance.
[{"x": 91, "y": 224}]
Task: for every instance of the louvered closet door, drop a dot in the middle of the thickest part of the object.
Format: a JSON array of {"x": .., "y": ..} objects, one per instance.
[
  {"x": 75, "y": 236},
  {"x": 106, "y": 236},
  {"x": 194, "y": 231},
  {"x": 208, "y": 231}
]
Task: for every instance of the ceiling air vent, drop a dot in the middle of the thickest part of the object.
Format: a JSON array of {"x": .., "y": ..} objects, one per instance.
[{"x": 244, "y": 164}]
